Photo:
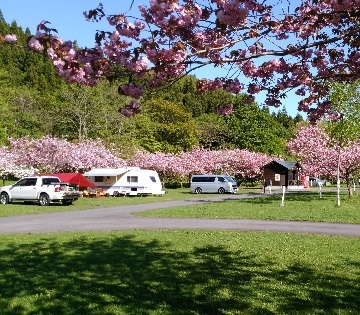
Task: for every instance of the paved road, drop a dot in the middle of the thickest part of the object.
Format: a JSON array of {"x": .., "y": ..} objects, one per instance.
[{"x": 121, "y": 218}]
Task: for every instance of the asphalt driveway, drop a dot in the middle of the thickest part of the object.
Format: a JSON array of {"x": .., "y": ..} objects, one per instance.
[{"x": 121, "y": 218}]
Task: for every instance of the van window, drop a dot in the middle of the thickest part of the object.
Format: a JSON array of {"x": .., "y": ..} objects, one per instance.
[
  {"x": 221, "y": 179},
  {"x": 229, "y": 179},
  {"x": 203, "y": 179}
]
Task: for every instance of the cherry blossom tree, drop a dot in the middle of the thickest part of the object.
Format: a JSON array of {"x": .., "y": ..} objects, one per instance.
[
  {"x": 271, "y": 46},
  {"x": 53, "y": 155},
  {"x": 8, "y": 169},
  {"x": 319, "y": 154},
  {"x": 240, "y": 164}
]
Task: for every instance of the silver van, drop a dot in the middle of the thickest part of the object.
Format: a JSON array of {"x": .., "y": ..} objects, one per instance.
[{"x": 212, "y": 184}]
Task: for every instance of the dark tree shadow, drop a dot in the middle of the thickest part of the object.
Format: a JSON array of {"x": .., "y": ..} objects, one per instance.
[{"x": 122, "y": 275}]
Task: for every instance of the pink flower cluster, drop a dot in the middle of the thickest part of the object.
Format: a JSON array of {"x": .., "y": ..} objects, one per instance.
[
  {"x": 131, "y": 109},
  {"x": 52, "y": 155},
  {"x": 170, "y": 16},
  {"x": 34, "y": 44},
  {"x": 225, "y": 110},
  {"x": 132, "y": 90},
  {"x": 232, "y": 13},
  {"x": 319, "y": 154},
  {"x": 237, "y": 163},
  {"x": 10, "y": 38}
]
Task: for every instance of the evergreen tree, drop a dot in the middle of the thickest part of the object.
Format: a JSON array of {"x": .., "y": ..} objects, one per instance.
[{"x": 2, "y": 19}]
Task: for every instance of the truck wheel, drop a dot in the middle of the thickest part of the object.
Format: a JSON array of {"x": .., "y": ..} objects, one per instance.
[
  {"x": 4, "y": 198},
  {"x": 67, "y": 202},
  {"x": 198, "y": 190},
  {"x": 221, "y": 190},
  {"x": 44, "y": 200}
]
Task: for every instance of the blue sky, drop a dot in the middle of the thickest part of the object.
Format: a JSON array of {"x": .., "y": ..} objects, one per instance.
[{"x": 67, "y": 17}]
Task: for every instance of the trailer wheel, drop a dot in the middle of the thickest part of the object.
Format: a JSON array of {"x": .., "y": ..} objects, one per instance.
[
  {"x": 44, "y": 200},
  {"x": 116, "y": 193},
  {"x": 198, "y": 190}
]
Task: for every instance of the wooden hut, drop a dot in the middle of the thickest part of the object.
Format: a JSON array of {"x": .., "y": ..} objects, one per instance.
[{"x": 282, "y": 173}]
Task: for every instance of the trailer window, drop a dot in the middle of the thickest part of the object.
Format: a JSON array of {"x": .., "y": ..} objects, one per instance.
[
  {"x": 99, "y": 179},
  {"x": 153, "y": 179},
  {"x": 132, "y": 179}
]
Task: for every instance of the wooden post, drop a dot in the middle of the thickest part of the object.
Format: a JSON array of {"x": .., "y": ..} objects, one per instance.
[{"x": 283, "y": 196}]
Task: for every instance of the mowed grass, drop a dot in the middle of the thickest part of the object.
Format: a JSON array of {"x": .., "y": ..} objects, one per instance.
[
  {"x": 186, "y": 271},
  {"x": 84, "y": 203},
  {"x": 179, "y": 272},
  {"x": 298, "y": 206},
  {"x": 307, "y": 206}
]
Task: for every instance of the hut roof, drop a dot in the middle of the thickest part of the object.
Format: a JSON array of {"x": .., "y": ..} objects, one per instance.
[{"x": 289, "y": 165}]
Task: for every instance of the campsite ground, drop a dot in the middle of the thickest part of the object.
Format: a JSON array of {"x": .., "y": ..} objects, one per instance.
[{"x": 181, "y": 271}]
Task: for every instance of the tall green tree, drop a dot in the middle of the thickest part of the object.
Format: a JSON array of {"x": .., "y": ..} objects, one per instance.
[
  {"x": 22, "y": 113},
  {"x": 256, "y": 130},
  {"x": 287, "y": 121},
  {"x": 214, "y": 132},
  {"x": 174, "y": 129},
  {"x": 89, "y": 112}
]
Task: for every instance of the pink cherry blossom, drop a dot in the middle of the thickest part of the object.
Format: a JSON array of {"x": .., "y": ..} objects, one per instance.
[
  {"x": 319, "y": 154},
  {"x": 35, "y": 44},
  {"x": 11, "y": 38}
]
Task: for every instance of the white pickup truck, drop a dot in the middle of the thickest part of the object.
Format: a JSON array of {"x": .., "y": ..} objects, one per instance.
[{"x": 43, "y": 189}]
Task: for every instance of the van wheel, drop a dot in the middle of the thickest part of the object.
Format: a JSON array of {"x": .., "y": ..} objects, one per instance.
[
  {"x": 221, "y": 190},
  {"x": 44, "y": 200},
  {"x": 198, "y": 190}
]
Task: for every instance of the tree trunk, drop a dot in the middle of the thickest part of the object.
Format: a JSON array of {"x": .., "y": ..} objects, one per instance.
[
  {"x": 348, "y": 184},
  {"x": 338, "y": 177}
]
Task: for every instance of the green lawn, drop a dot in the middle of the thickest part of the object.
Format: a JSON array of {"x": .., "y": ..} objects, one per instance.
[
  {"x": 179, "y": 272},
  {"x": 19, "y": 208},
  {"x": 297, "y": 207},
  {"x": 186, "y": 272}
]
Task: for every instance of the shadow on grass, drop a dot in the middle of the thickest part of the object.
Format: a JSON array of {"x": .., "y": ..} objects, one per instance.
[
  {"x": 292, "y": 196},
  {"x": 122, "y": 275}
]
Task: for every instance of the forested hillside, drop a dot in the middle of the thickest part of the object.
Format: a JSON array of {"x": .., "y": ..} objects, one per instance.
[{"x": 36, "y": 102}]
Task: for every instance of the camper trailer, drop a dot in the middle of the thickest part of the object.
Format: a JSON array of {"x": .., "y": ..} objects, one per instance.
[{"x": 129, "y": 181}]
